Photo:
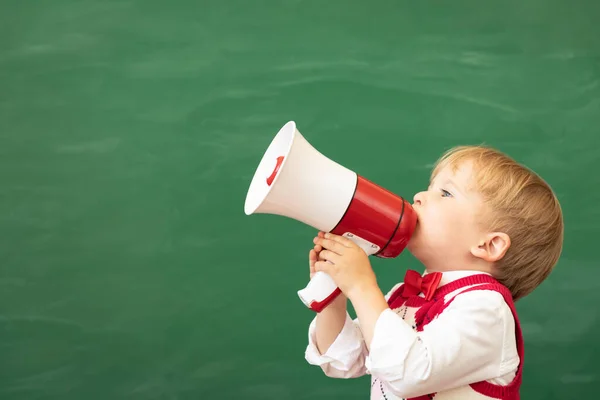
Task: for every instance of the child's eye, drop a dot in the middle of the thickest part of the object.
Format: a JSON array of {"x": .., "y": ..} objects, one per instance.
[{"x": 446, "y": 193}]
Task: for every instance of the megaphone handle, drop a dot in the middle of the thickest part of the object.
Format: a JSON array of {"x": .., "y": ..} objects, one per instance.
[{"x": 320, "y": 291}]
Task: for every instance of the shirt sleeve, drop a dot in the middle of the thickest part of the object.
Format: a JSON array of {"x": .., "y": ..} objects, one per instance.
[
  {"x": 466, "y": 343},
  {"x": 346, "y": 356}
]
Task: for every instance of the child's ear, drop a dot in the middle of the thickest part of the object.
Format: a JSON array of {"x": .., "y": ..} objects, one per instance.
[{"x": 493, "y": 247}]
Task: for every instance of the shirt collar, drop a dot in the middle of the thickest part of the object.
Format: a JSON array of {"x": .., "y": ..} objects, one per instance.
[{"x": 450, "y": 276}]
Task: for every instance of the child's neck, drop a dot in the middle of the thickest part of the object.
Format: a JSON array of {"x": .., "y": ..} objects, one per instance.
[{"x": 471, "y": 265}]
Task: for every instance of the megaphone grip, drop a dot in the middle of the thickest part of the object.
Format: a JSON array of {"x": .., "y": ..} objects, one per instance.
[{"x": 320, "y": 291}]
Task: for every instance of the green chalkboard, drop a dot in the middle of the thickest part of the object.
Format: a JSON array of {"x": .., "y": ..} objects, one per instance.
[{"x": 130, "y": 130}]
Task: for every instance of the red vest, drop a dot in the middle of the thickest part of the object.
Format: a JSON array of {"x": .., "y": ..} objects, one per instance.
[{"x": 428, "y": 310}]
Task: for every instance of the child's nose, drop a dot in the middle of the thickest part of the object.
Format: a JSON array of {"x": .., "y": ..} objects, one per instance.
[{"x": 418, "y": 199}]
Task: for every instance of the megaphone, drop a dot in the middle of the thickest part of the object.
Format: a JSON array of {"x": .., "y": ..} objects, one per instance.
[{"x": 294, "y": 180}]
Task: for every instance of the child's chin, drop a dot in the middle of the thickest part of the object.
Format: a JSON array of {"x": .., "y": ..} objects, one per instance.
[
  {"x": 414, "y": 249},
  {"x": 420, "y": 251}
]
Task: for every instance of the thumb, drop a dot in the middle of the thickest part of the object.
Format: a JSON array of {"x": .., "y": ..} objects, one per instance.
[{"x": 312, "y": 257}]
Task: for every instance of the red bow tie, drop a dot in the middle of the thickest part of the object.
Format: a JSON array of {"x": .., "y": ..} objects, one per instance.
[{"x": 414, "y": 284}]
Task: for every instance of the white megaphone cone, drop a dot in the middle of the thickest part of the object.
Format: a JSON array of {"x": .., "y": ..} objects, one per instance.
[{"x": 296, "y": 181}]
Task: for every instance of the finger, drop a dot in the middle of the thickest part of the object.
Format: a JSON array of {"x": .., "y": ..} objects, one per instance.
[
  {"x": 323, "y": 266},
  {"x": 340, "y": 239},
  {"x": 319, "y": 257},
  {"x": 328, "y": 255},
  {"x": 331, "y": 245},
  {"x": 318, "y": 248}
]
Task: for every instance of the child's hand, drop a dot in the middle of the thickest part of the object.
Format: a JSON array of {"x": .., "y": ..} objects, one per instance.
[{"x": 346, "y": 263}]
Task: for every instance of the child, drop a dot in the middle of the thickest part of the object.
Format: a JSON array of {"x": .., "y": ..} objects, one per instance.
[{"x": 489, "y": 232}]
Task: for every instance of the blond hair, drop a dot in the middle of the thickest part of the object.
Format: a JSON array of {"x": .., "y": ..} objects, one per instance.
[{"x": 522, "y": 205}]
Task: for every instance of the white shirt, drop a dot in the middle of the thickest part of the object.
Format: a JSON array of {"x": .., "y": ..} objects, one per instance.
[{"x": 472, "y": 340}]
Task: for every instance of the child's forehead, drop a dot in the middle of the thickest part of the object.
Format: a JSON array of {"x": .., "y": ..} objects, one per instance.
[
  {"x": 464, "y": 168},
  {"x": 460, "y": 172}
]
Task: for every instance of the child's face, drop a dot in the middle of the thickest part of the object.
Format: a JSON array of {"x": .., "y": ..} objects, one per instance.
[{"x": 448, "y": 214}]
